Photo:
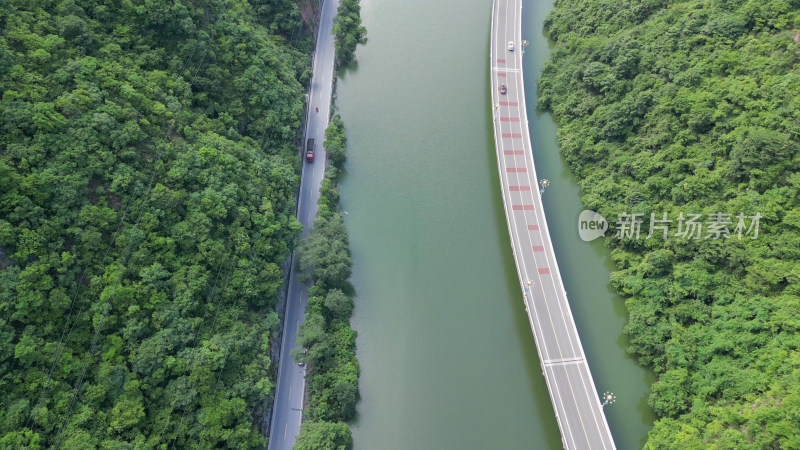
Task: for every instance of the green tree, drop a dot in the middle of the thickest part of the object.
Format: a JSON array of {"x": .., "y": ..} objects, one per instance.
[
  {"x": 323, "y": 436},
  {"x": 348, "y": 31},
  {"x": 325, "y": 255},
  {"x": 691, "y": 107},
  {"x": 338, "y": 303},
  {"x": 335, "y": 141},
  {"x": 147, "y": 187}
]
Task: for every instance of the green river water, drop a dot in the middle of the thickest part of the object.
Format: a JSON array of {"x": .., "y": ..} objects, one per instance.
[{"x": 448, "y": 360}]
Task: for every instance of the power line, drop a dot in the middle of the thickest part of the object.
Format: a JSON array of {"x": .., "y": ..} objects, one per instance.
[
  {"x": 216, "y": 311},
  {"x": 122, "y": 268},
  {"x": 66, "y": 333}
]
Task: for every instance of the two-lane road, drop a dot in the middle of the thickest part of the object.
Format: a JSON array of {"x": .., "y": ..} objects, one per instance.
[
  {"x": 287, "y": 413},
  {"x": 573, "y": 394}
]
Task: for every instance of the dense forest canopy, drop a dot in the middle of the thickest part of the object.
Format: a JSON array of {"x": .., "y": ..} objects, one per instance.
[
  {"x": 148, "y": 170},
  {"x": 694, "y": 107}
]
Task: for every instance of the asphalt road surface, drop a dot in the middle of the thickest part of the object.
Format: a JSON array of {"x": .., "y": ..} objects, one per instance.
[
  {"x": 575, "y": 399},
  {"x": 287, "y": 411}
]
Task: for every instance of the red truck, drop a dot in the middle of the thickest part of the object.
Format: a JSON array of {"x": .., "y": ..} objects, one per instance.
[{"x": 310, "y": 151}]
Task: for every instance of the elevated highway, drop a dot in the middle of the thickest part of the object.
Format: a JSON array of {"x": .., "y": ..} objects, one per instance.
[{"x": 575, "y": 399}]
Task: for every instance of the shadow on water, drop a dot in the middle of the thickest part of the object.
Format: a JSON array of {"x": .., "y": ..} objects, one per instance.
[
  {"x": 522, "y": 326},
  {"x": 351, "y": 68}
]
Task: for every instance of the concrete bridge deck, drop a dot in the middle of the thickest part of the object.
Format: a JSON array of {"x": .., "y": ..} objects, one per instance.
[{"x": 572, "y": 391}]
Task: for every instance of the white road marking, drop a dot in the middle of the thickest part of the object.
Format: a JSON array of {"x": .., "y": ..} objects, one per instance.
[
  {"x": 320, "y": 89},
  {"x": 549, "y": 256}
]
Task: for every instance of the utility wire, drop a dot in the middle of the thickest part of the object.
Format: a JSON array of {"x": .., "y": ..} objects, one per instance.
[{"x": 100, "y": 326}]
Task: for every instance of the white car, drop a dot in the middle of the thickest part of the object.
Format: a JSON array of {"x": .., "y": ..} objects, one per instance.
[{"x": 511, "y": 46}]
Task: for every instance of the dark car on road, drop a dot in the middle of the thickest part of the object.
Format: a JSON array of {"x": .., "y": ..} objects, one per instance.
[{"x": 503, "y": 89}]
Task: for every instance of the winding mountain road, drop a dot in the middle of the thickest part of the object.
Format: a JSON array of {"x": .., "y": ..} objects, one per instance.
[{"x": 287, "y": 412}]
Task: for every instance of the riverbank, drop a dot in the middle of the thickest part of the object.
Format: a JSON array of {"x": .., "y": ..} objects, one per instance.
[
  {"x": 683, "y": 109},
  {"x": 326, "y": 340},
  {"x": 430, "y": 246},
  {"x": 599, "y": 313},
  {"x": 447, "y": 359},
  {"x": 288, "y": 403}
]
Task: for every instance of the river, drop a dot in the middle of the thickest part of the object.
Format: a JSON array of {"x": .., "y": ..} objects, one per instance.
[{"x": 447, "y": 356}]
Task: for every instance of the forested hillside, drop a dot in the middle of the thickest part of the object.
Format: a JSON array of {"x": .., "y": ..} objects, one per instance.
[
  {"x": 147, "y": 177},
  {"x": 693, "y": 107}
]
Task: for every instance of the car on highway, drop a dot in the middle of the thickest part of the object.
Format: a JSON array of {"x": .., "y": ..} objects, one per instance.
[
  {"x": 511, "y": 46},
  {"x": 310, "y": 151},
  {"x": 503, "y": 89}
]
